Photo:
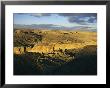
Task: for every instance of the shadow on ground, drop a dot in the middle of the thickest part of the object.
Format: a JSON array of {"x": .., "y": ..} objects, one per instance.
[{"x": 84, "y": 64}]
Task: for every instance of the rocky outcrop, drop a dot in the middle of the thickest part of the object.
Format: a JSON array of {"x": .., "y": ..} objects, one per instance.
[
  {"x": 50, "y": 48},
  {"x": 42, "y": 48},
  {"x": 55, "y": 47},
  {"x": 18, "y": 50},
  {"x": 21, "y": 50}
]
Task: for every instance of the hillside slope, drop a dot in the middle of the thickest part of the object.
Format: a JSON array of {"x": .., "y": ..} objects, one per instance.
[{"x": 54, "y": 52}]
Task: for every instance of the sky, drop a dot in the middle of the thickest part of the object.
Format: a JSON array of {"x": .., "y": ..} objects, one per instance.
[{"x": 68, "y": 20}]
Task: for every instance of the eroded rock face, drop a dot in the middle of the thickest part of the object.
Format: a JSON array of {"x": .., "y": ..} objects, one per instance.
[
  {"x": 49, "y": 48},
  {"x": 54, "y": 47},
  {"x": 21, "y": 50},
  {"x": 18, "y": 50},
  {"x": 42, "y": 48}
]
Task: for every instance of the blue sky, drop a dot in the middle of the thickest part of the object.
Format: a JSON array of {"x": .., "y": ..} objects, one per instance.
[{"x": 57, "y": 19}]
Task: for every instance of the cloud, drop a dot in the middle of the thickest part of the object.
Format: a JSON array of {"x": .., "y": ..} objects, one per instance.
[
  {"x": 72, "y": 18},
  {"x": 92, "y": 20},
  {"x": 34, "y": 14},
  {"x": 19, "y": 13},
  {"x": 75, "y": 20},
  {"x": 78, "y": 14},
  {"x": 65, "y": 14},
  {"x": 40, "y": 14},
  {"x": 79, "y": 18},
  {"x": 82, "y": 20}
]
